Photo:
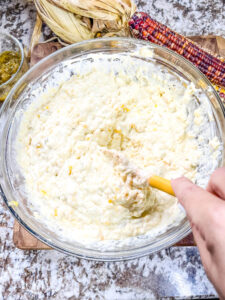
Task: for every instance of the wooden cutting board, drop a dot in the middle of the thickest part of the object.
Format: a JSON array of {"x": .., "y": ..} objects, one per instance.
[{"x": 23, "y": 239}]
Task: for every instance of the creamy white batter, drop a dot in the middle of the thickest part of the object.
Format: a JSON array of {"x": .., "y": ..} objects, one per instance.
[{"x": 68, "y": 144}]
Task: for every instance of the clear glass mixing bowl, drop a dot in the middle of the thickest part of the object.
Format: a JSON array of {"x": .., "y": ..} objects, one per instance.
[{"x": 49, "y": 72}]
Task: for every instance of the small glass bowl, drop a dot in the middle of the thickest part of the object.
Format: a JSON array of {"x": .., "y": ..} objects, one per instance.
[
  {"x": 10, "y": 43},
  {"x": 50, "y": 72}
]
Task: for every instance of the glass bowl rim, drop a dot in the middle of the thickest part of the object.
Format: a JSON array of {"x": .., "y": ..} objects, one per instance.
[
  {"x": 97, "y": 255},
  {"x": 21, "y": 61}
]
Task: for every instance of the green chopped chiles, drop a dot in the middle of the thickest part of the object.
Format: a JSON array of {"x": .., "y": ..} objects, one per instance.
[{"x": 9, "y": 64}]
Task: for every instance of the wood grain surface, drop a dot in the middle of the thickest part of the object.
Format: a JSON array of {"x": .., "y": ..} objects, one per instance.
[{"x": 23, "y": 239}]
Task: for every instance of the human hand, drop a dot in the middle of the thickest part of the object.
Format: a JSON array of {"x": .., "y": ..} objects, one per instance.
[{"x": 206, "y": 212}]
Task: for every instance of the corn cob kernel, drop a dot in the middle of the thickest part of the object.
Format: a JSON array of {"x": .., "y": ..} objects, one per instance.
[
  {"x": 44, "y": 192},
  {"x": 70, "y": 170},
  {"x": 117, "y": 131},
  {"x": 144, "y": 27},
  {"x": 13, "y": 203},
  {"x": 39, "y": 145}
]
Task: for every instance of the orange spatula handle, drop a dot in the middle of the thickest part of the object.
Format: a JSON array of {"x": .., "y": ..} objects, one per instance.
[{"x": 161, "y": 184}]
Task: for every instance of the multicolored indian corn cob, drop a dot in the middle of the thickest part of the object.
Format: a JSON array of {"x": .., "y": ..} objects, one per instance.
[{"x": 144, "y": 27}]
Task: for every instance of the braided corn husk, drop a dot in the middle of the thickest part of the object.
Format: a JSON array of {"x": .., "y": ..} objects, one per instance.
[{"x": 77, "y": 20}]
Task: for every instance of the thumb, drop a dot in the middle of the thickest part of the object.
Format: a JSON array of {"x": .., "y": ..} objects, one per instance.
[{"x": 198, "y": 203}]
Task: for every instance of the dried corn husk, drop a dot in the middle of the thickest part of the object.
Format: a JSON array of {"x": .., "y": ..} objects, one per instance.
[
  {"x": 63, "y": 23},
  {"x": 77, "y": 20},
  {"x": 36, "y": 34},
  {"x": 108, "y": 10}
]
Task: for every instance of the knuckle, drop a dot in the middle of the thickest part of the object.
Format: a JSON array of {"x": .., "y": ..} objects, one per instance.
[{"x": 187, "y": 190}]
